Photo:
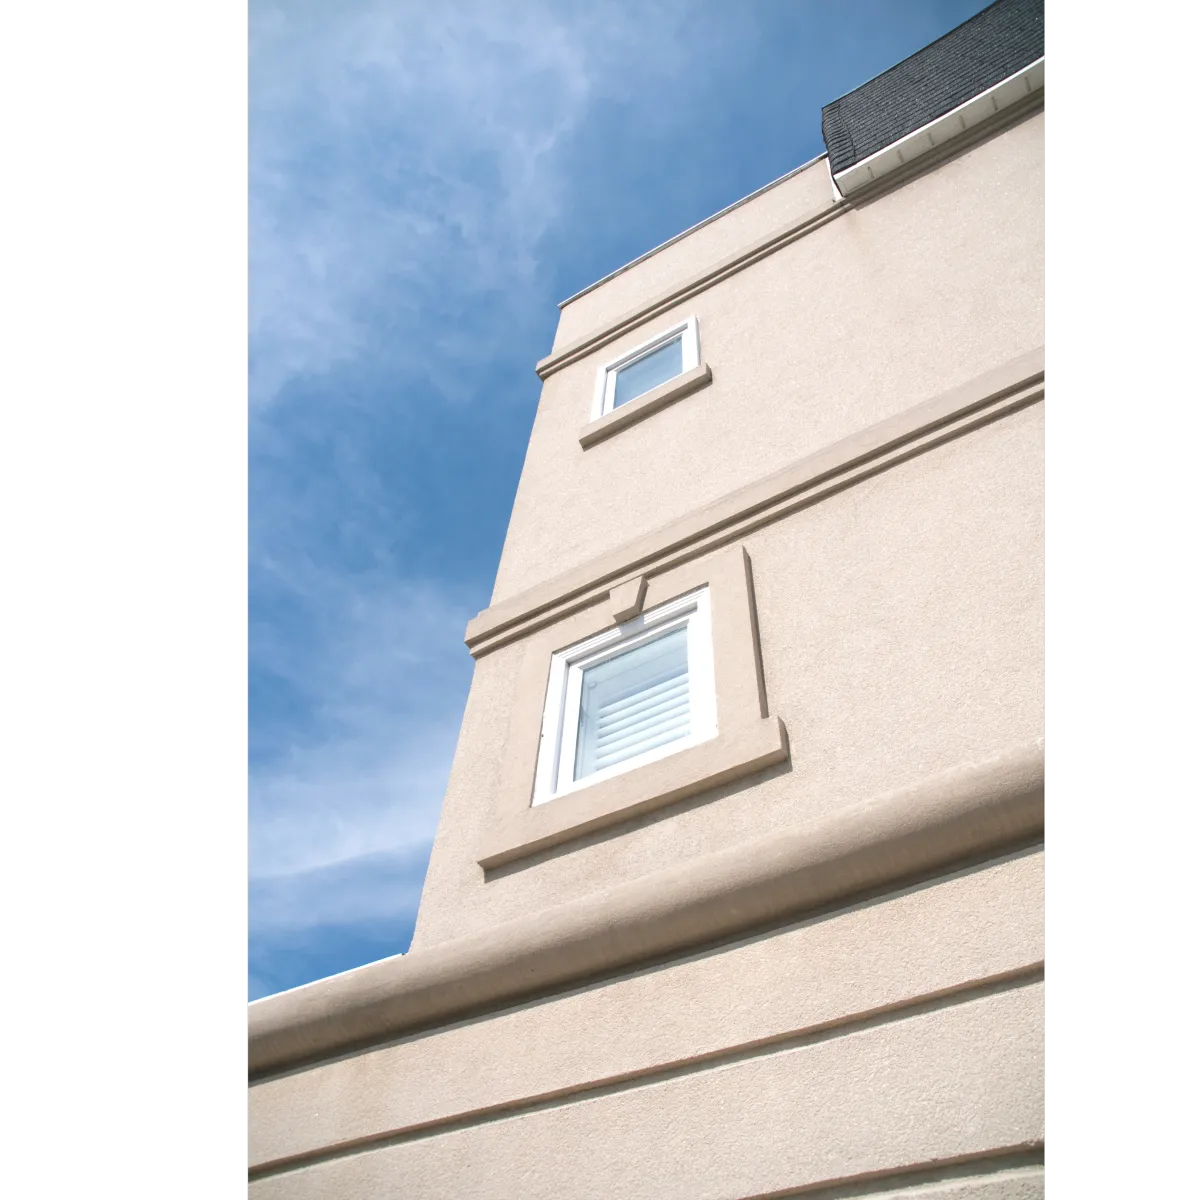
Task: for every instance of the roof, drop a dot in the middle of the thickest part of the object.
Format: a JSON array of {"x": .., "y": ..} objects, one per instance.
[{"x": 981, "y": 52}]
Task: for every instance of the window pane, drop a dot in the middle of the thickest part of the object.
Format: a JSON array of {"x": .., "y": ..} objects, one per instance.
[
  {"x": 632, "y": 703},
  {"x": 649, "y": 371}
]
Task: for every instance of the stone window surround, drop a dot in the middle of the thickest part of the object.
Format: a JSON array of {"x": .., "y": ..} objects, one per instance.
[
  {"x": 606, "y": 419},
  {"x": 748, "y": 739},
  {"x": 689, "y": 615}
]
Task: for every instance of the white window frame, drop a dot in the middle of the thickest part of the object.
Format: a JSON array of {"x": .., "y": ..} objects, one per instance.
[
  {"x": 606, "y": 376},
  {"x": 560, "y": 719}
]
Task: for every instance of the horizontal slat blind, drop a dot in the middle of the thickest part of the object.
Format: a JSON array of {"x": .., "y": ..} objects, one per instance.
[{"x": 632, "y": 703}]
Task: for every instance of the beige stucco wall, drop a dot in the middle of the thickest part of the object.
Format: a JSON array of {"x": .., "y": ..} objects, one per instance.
[
  {"x": 900, "y": 624},
  {"x": 881, "y": 1037},
  {"x": 889, "y": 1047},
  {"x": 959, "y": 1080},
  {"x": 883, "y": 307}
]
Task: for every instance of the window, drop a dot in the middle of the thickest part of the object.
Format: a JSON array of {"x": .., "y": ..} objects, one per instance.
[
  {"x": 649, "y": 695},
  {"x": 663, "y": 358},
  {"x": 627, "y": 697}
]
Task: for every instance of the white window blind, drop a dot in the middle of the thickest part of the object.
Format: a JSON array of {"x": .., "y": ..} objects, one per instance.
[
  {"x": 633, "y": 703},
  {"x": 627, "y": 697}
]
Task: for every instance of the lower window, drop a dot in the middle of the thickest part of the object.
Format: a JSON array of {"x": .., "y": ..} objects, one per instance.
[
  {"x": 647, "y": 696},
  {"x": 627, "y": 697}
]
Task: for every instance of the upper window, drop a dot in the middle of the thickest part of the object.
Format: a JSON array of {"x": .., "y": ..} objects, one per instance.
[
  {"x": 657, "y": 361},
  {"x": 628, "y": 696}
]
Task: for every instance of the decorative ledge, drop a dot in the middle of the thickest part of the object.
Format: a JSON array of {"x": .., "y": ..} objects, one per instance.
[
  {"x": 649, "y": 402},
  {"x": 732, "y": 755},
  {"x": 808, "y": 223},
  {"x": 983, "y": 116},
  {"x": 968, "y": 812},
  {"x": 1005, "y": 388}
]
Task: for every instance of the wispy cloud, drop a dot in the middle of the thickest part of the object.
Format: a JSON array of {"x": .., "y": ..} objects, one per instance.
[
  {"x": 358, "y": 762},
  {"x": 317, "y": 922},
  {"x": 405, "y": 165},
  {"x": 402, "y": 152}
]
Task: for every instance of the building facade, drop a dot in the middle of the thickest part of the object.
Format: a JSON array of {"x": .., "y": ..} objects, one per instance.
[{"x": 737, "y": 890}]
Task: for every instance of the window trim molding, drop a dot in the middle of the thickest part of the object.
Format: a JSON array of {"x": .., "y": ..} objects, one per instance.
[
  {"x": 692, "y": 612},
  {"x": 606, "y": 374},
  {"x": 747, "y": 738},
  {"x": 640, "y": 407}
]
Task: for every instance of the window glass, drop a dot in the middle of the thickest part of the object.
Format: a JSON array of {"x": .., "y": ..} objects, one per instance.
[{"x": 649, "y": 371}]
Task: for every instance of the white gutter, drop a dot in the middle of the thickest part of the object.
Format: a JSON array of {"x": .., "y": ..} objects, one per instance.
[{"x": 942, "y": 129}]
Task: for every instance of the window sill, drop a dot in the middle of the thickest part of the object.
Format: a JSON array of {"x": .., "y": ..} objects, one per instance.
[
  {"x": 728, "y": 756},
  {"x": 649, "y": 402}
]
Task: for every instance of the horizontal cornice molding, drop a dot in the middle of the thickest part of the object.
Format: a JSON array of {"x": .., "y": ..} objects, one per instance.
[
  {"x": 728, "y": 266},
  {"x": 967, "y": 812},
  {"x": 686, "y": 233},
  {"x": 951, "y": 138},
  {"x": 1002, "y": 390}
]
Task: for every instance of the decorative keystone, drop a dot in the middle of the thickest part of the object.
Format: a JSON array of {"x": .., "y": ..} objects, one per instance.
[{"x": 626, "y": 599}]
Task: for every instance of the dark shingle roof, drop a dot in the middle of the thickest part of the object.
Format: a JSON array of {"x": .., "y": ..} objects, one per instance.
[{"x": 981, "y": 52}]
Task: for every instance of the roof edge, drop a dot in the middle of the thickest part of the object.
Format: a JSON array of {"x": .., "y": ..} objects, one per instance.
[
  {"x": 641, "y": 258},
  {"x": 944, "y": 129}
]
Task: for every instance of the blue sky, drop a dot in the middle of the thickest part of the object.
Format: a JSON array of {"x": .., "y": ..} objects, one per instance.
[{"x": 427, "y": 181}]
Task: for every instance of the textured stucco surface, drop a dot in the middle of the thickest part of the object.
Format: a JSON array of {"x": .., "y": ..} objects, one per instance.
[
  {"x": 1021, "y": 1183},
  {"x": 900, "y": 624},
  {"x": 888, "y": 305},
  {"x": 957, "y": 1080},
  {"x": 900, "y": 620},
  {"x": 951, "y": 933}
]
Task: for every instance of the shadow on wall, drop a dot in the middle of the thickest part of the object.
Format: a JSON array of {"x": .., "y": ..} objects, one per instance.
[{"x": 624, "y": 828}]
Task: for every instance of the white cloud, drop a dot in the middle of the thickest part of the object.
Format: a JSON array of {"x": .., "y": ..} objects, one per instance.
[
  {"x": 403, "y": 145},
  {"x": 405, "y": 161},
  {"x": 331, "y": 919},
  {"x": 364, "y": 890},
  {"x": 382, "y": 680}
]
